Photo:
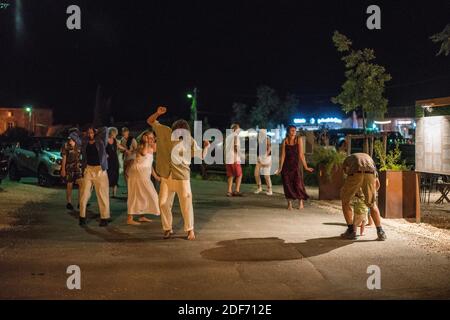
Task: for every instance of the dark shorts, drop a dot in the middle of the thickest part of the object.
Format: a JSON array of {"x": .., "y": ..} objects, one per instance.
[
  {"x": 72, "y": 176},
  {"x": 234, "y": 170}
]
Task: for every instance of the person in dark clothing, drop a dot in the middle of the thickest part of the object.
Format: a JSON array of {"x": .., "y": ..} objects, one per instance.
[
  {"x": 292, "y": 157},
  {"x": 113, "y": 160},
  {"x": 95, "y": 166}
]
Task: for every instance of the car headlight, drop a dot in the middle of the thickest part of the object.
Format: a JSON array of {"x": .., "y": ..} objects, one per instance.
[{"x": 59, "y": 161}]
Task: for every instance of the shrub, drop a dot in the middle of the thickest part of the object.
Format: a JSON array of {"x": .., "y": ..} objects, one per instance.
[
  {"x": 391, "y": 160},
  {"x": 327, "y": 157}
]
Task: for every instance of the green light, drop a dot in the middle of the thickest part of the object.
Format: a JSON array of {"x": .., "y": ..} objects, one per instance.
[
  {"x": 28, "y": 109},
  {"x": 189, "y": 96}
]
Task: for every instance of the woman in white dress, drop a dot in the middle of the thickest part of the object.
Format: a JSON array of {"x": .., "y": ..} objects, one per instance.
[{"x": 142, "y": 196}]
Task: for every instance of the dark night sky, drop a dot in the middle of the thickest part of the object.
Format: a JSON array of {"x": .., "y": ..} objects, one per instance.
[{"x": 146, "y": 53}]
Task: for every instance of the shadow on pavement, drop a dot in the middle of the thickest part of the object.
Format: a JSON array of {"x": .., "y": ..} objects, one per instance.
[{"x": 272, "y": 249}]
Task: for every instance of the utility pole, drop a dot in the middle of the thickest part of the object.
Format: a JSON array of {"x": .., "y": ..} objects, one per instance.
[{"x": 193, "y": 96}]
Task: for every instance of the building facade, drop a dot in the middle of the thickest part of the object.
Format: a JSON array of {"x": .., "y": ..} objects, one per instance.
[{"x": 36, "y": 120}]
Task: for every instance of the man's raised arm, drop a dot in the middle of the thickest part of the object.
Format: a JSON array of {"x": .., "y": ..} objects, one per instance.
[{"x": 154, "y": 117}]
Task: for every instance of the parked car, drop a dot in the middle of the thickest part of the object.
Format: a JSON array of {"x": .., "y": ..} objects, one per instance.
[
  {"x": 3, "y": 164},
  {"x": 37, "y": 157}
]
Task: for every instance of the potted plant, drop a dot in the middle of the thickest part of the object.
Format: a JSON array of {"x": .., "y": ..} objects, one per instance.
[
  {"x": 330, "y": 174},
  {"x": 397, "y": 195}
]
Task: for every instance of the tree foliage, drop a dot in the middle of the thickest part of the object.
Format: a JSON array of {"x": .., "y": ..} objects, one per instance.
[
  {"x": 268, "y": 111},
  {"x": 444, "y": 38},
  {"x": 365, "y": 81}
]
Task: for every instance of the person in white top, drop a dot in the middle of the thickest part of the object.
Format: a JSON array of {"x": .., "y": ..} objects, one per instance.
[
  {"x": 264, "y": 162},
  {"x": 142, "y": 196},
  {"x": 233, "y": 161}
]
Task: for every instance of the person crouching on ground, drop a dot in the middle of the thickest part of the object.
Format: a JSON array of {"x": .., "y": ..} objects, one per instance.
[
  {"x": 361, "y": 175},
  {"x": 95, "y": 166},
  {"x": 172, "y": 166}
]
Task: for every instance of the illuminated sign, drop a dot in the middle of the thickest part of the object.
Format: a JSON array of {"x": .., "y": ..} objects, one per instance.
[
  {"x": 404, "y": 122},
  {"x": 329, "y": 120},
  {"x": 383, "y": 122},
  {"x": 299, "y": 121}
]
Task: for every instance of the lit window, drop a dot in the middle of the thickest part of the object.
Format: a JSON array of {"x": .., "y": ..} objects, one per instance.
[{"x": 10, "y": 114}]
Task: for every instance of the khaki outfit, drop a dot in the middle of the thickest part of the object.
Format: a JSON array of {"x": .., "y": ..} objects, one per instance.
[
  {"x": 172, "y": 165},
  {"x": 362, "y": 174}
]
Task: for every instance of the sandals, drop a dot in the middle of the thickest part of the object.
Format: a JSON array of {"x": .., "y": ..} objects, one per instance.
[
  {"x": 168, "y": 234},
  {"x": 234, "y": 194}
]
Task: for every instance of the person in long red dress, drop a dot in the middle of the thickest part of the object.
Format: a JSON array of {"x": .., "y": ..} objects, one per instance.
[{"x": 291, "y": 157}]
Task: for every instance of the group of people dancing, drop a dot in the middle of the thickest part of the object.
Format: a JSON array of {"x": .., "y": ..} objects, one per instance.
[{"x": 91, "y": 160}]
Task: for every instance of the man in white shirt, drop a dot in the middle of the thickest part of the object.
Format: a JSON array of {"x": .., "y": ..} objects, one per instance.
[{"x": 233, "y": 161}]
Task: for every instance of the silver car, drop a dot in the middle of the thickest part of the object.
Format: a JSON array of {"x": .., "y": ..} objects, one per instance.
[{"x": 37, "y": 157}]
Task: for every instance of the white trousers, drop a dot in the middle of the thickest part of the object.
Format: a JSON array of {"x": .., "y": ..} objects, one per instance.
[
  {"x": 95, "y": 176},
  {"x": 167, "y": 190}
]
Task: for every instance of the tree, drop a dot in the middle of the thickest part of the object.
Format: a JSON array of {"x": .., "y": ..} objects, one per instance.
[
  {"x": 267, "y": 103},
  {"x": 365, "y": 81},
  {"x": 443, "y": 37},
  {"x": 287, "y": 111},
  {"x": 269, "y": 110},
  {"x": 241, "y": 115}
]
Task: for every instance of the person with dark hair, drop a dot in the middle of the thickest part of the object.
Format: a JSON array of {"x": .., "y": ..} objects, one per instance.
[
  {"x": 233, "y": 161},
  {"x": 128, "y": 146},
  {"x": 176, "y": 147},
  {"x": 292, "y": 157},
  {"x": 94, "y": 168},
  {"x": 342, "y": 146},
  {"x": 113, "y": 160},
  {"x": 71, "y": 164}
]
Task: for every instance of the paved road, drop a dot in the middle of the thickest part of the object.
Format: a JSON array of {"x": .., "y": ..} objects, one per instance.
[{"x": 247, "y": 248}]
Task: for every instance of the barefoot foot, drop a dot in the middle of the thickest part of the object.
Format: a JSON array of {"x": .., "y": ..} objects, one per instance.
[
  {"x": 144, "y": 219},
  {"x": 191, "y": 235},
  {"x": 131, "y": 222}
]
